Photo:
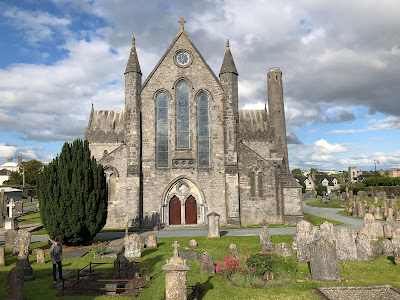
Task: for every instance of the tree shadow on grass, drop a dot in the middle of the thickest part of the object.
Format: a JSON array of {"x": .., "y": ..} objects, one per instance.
[
  {"x": 205, "y": 287},
  {"x": 391, "y": 258}
]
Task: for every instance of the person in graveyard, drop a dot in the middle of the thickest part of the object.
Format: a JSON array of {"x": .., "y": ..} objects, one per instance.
[{"x": 56, "y": 258}]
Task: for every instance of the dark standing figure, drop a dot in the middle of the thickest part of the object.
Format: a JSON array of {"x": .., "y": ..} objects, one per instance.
[{"x": 56, "y": 258}]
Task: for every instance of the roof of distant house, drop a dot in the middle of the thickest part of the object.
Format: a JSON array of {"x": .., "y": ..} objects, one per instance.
[
  {"x": 300, "y": 178},
  {"x": 9, "y": 164},
  {"x": 9, "y": 189},
  {"x": 320, "y": 177},
  {"x": 3, "y": 172}
]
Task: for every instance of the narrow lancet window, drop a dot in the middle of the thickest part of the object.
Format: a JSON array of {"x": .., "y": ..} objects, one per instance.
[
  {"x": 182, "y": 115},
  {"x": 260, "y": 185},
  {"x": 252, "y": 184},
  {"x": 203, "y": 134},
  {"x": 162, "y": 129}
]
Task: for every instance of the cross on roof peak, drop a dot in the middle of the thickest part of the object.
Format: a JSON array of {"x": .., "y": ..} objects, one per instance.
[{"x": 182, "y": 21}]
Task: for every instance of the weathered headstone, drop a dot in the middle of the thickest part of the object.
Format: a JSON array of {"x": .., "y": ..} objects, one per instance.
[
  {"x": 22, "y": 243},
  {"x": 133, "y": 246},
  {"x": 397, "y": 215},
  {"x": 372, "y": 228},
  {"x": 396, "y": 253},
  {"x": 393, "y": 203},
  {"x": 304, "y": 238},
  {"x": 265, "y": 240},
  {"x": 378, "y": 213},
  {"x": 19, "y": 207},
  {"x": 206, "y": 263},
  {"x": 10, "y": 222},
  {"x": 390, "y": 214},
  {"x": 354, "y": 210},
  {"x": 387, "y": 230},
  {"x": 346, "y": 244},
  {"x": 371, "y": 208},
  {"x": 26, "y": 268},
  {"x": 151, "y": 241},
  {"x": 363, "y": 244},
  {"x": 294, "y": 242},
  {"x": 192, "y": 244},
  {"x": 376, "y": 249},
  {"x": 384, "y": 204},
  {"x": 2, "y": 257},
  {"x": 234, "y": 250},
  {"x": 283, "y": 249},
  {"x": 351, "y": 194},
  {"x": 125, "y": 269},
  {"x": 360, "y": 210},
  {"x": 326, "y": 230},
  {"x": 376, "y": 200},
  {"x": 323, "y": 260},
  {"x": 40, "y": 257},
  {"x": 9, "y": 238},
  {"x": 387, "y": 247},
  {"x": 396, "y": 233},
  {"x": 214, "y": 230},
  {"x": 176, "y": 277},
  {"x": 15, "y": 284}
]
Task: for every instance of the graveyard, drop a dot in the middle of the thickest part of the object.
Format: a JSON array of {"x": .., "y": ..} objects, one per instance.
[{"x": 311, "y": 262}]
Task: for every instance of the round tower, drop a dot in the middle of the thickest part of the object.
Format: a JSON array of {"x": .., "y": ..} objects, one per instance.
[{"x": 276, "y": 110}]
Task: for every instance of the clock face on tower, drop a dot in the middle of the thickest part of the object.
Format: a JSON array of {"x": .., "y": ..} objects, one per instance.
[{"x": 182, "y": 58}]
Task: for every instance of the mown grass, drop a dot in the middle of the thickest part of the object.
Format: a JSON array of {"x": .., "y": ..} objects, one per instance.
[
  {"x": 331, "y": 204},
  {"x": 258, "y": 226},
  {"x": 31, "y": 218},
  {"x": 316, "y": 221},
  {"x": 28, "y": 204},
  {"x": 354, "y": 273}
]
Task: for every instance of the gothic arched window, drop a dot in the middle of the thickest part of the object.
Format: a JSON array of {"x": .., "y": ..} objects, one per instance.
[
  {"x": 203, "y": 130},
  {"x": 162, "y": 129},
  {"x": 260, "y": 184},
  {"x": 182, "y": 115},
  {"x": 252, "y": 184}
]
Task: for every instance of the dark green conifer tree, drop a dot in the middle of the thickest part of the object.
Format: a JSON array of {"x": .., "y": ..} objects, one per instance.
[{"x": 73, "y": 195}]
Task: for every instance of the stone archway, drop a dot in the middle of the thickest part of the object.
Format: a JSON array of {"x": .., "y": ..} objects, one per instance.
[{"x": 192, "y": 203}]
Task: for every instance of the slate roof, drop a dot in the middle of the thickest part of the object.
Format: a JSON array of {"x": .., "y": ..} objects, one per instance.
[
  {"x": 320, "y": 177},
  {"x": 3, "y": 172},
  {"x": 300, "y": 178},
  {"x": 253, "y": 125}
]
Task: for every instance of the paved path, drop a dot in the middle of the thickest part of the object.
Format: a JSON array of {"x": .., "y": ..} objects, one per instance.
[{"x": 329, "y": 213}]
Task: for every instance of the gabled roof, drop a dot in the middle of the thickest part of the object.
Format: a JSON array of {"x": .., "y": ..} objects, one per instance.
[
  {"x": 180, "y": 33},
  {"x": 253, "y": 124},
  {"x": 3, "y": 172},
  {"x": 320, "y": 177},
  {"x": 300, "y": 178}
]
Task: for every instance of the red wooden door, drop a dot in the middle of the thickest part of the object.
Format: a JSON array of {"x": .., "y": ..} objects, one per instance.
[
  {"x": 191, "y": 211},
  {"x": 175, "y": 211}
]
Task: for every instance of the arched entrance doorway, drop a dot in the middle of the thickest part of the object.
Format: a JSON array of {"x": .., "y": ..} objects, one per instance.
[
  {"x": 191, "y": 210},
  {"x": 175, "y": 211}
]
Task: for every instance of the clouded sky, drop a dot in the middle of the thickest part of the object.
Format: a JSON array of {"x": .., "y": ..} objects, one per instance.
[{"x": 340, "y": 62}]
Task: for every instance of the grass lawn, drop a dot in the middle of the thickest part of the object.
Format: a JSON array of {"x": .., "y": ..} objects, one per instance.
[
  {"x": 28, "y": 204},
  {"x": 31, "y": 218},
  {"x": 319, "y": 220},
  {"x": 331, "y": 204},
  {"x": 354, "y": 273}
]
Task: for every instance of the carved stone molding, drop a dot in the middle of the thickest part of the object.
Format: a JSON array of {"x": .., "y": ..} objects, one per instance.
[{"x": 183, "y": 163}]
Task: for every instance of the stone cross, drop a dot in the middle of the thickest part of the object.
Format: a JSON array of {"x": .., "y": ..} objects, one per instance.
[
  {"x": 182, "y": 21},
  {"x": 11, "y": 204},
  {"x": 175, "y": 245}
]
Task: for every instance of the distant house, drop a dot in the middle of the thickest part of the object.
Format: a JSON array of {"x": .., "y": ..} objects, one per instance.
[
  {"x": 3, "y": 175},
  {"x": 15, "y": 194},
  {"x": 394, "y": 172},
  {"x": 8, "y": 167},
  {"x": 363, "y": 176},
  {"x": 304, "y": 179},
  {"x": 312, "y": 180}
]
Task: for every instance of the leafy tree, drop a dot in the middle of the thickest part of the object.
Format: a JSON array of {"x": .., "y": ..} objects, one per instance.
[
  {"x": 303, "y": 187},
  {"x": 31, "y": 169},
  {"x": 14, "y": 179},
  {"x": 297, "y": 171},
  {"x": 73, "y": 195},
  {"x": 321, "y": 189}
]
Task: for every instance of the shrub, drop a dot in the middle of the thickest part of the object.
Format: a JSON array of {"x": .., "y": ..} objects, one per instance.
[
  {"x": 239, "y": 279},
  {"x": 269, "y": 262},
  {"x": 99, "y": 248},
  {"x": 73, "y": 195},
  {"x": 321, "y": 189},
  {"x": 256, "y": 282},
  {"x": 233, "y": 264}
]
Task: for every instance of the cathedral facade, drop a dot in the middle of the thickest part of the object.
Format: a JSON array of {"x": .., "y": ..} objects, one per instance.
[{"x": 182, "y": 149}]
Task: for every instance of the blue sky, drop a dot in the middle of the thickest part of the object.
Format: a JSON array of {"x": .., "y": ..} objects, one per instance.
[{"x": 341, "y": 73}]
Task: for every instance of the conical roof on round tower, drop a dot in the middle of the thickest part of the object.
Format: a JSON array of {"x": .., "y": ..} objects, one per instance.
[
  {"x": 133, "y": 62},
  {"x": 228, "y": 65}
]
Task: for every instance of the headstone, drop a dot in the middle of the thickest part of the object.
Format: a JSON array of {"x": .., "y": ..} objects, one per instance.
[
  {"x": 378, "y": 213},
  {"x": 22, "y": 243},
  {"x": 192, "y": 244},
  {"x": 234, "y": 250},
  {"x": 304, "y": 238},
  {"x": 397, "y": 215},
  {"x": 294, "y": 242},
  {"x": 15, "y": 284},
  {"x": 326, "y": 230},
  {"x": 125, "y": 269},
  {"x": 396, "y": 234},
  {"x": 176, "y": 277},
  {"x": 19, "y": 207},
  {"x": 323, "y": 260},
  {"x": 213, "y": 225},
  {"x": 384, "y": 204},
  {"x": 346, "y": 244},
  {"x": 29, "y": 199},
  {"x": 351, "y": 195},
  {"x": 360, "y": 210},
  {"x": 2, "y": 257},
  {"x": 206, "y": 263},
  {"x": 396, "y": 253},
  {"x": 363, "y": 245},
  {"x": 9, "y": 238},
  {"x": 40, "y": 257},
  {"x": 387, "y": 230},
  {"x": 390, "y": 214},
  {"x": 387, "y": 247},
  {"x": 188, "y": 255},
  {"x": 26, "y": 268},
  {"x": 393, "y": 203},
  {"x": 151, "y": 241},
  {"x": 372, "y": 228},
  {"x": 376, "y": 249},
  {"x": 265, "y": 240},
  {"x": 133, "y": 246},
  {"x": 371, "y": 208},
  {"x": 354, "y": 210},
  {"x": 376, "y": 200},
  {"x": 283, "y": 249},
  {"x": 10, "y": 206}
]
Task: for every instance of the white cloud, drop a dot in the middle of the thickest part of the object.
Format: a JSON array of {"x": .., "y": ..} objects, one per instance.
[
  {"x": 389, "y": 123},
  {"x": 323, "y": 147}
]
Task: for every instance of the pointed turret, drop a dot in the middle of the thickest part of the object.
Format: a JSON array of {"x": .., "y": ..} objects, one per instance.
[
  {"x": 228, "y": 65},
  {"x": 133, "y": 62}
]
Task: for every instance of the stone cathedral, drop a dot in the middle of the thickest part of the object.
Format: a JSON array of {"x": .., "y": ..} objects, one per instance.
[{"x": 182, "y": 149}]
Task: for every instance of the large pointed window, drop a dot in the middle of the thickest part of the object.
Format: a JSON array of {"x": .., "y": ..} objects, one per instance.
[
  {"x": 203, "y": 134},
  {"x": 162, "y": 129},
  {"x": 182, "y": 115}
]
